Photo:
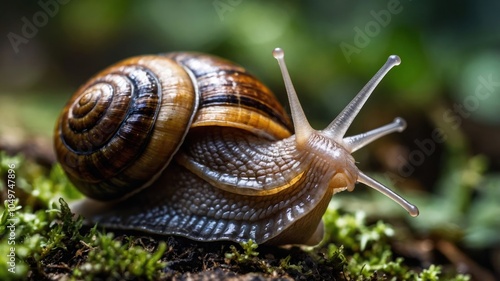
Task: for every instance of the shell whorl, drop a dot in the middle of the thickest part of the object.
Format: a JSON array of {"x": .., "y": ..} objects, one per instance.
[
  {"x": 117, "y": 132},
  {"x": 232, "y": 97}
]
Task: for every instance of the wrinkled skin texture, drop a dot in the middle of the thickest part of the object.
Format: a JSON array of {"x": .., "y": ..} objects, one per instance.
[{"x": 206, "y": 208}]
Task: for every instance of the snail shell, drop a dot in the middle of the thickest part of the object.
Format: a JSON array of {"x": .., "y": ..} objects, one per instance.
[{"x": 193, "y": 145}]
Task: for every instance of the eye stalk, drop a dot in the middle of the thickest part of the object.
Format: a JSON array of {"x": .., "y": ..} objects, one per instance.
[
  {"x": 338, "y": 127},
  {"x": 302, "y": 128}
]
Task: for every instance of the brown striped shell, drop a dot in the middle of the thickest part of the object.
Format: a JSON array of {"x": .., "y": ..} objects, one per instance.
[{"x": 121, "y": 129}]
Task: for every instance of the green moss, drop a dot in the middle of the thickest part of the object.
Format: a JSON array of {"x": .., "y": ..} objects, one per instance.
[
  {"x": 369, "y": 252},
  {"x": 248, "y": 254},
  {"x": 108, "y": 258},
  {"x": 30, "y": 239}
]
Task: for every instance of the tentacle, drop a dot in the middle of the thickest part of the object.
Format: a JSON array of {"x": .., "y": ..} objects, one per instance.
[
  {"x": 410, "y": 208},
  {"x": 342, "y": 122},
  {"x": 356, "y": 142},
  {"x": 302, "y": 128}
]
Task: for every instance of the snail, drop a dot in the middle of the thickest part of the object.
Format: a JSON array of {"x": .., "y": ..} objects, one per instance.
[{"x": 193, "y": 145}]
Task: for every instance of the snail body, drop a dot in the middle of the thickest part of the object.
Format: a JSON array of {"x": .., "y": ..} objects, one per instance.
[{"x": 192, "y": 145}]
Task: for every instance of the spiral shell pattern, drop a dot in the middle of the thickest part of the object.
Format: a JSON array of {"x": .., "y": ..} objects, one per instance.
[{"x": 118, "y": 132}]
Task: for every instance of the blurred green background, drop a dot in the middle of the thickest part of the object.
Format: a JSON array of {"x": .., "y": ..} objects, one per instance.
[{"x": 447, "y": 87}]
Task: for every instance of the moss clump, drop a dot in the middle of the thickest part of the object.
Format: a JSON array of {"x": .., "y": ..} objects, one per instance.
[
  {"x": 109, "y": 258},
  {"x": 248, "y": 254},
  {"x": 367, "y": 250},
  {"x": 40, "y": 239}
]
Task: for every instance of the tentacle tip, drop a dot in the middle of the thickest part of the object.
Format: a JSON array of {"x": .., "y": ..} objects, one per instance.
[
  {"x": 394, "y": 60},
  {"x": 413, "y": 211},
  {"x": 401, "y": 124},
  {"x": 278, "y": 53}
]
